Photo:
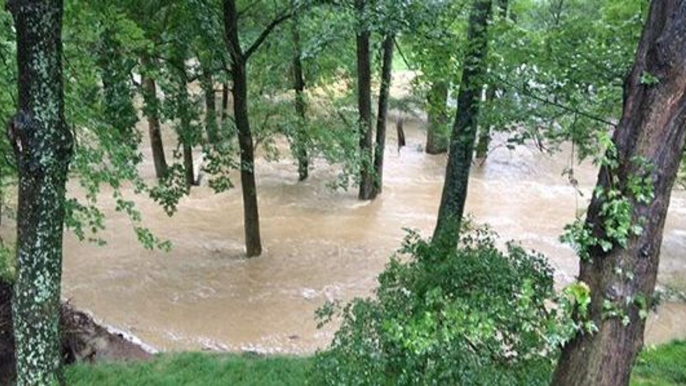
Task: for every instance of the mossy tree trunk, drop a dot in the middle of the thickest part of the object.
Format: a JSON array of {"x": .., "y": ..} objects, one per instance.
[
  {"x": 42, "y": 145},
  {"x": 381, "y": 118},
  {"x": 651, "y": 129},
  {"x": 464, "y": 129}
]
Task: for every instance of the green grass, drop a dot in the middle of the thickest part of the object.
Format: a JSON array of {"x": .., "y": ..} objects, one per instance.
[
  {"x": 661, "y": 366},
  {"x": 199, "y": 369}
]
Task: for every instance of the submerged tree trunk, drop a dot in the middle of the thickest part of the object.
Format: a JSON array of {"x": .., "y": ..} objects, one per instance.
[
  {"x": 464, "y": 129},
  {"x": 384, "y": 94},
  {"x": 364, "y": 103},
  {"x": 300, "y": 141},
  {"x": 436, "y": 136},
  {"x": 207, "y": 83},
  {"x": 649, "y": 142},
  {"x": 253, "y": 243},
  {"x": 152, "y": 111},
  {"x": 42, "y": 145}
]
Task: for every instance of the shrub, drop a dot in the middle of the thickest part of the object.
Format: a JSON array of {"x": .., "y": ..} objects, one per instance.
[{"x": 473, "y": 316}]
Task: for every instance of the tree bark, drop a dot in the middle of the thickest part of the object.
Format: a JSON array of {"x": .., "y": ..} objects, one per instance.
[
  {"x": 152, "y": 111},
  {"x": 437, "y": 138},
  {"x": 364, "y": 101},
  {"x": 42, "y": 145},
  {"x": 300, "y": 140},
  {"x": 652, "y": 127},
  {"x": 464, "y": 129},
  {"x": 253, "y": 243},
  {"x": 384, "y": 95}
]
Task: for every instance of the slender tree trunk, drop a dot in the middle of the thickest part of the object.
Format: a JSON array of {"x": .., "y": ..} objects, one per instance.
[
  {"x": 384, "y": 95},
  {"x": 225, "y": 102},
  {"x": 652, "y": 128},
  {"x": 300, "y": 142},
  {"x": 188, "y": 165},
  {"x": 437, "y": 137},
  {"x": 152, "y": 111},
  {"x": 484, "y": 141},
  {"x": 364, "y": 101},
  {"x": 464, "y": 129},
  {"x": 253, "y": 243},
  {"x": 42, "y": 145},
  {"x": 210, "y": 107}
]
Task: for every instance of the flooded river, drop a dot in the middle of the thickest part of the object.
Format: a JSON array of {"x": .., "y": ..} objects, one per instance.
[{"x": 321, "y": 244}]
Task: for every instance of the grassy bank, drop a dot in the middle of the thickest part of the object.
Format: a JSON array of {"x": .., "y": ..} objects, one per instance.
[{"x": 661, "y": 366}]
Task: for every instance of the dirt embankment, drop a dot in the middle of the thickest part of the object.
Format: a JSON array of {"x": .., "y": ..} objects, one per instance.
[{"x": 83, "y": 340}]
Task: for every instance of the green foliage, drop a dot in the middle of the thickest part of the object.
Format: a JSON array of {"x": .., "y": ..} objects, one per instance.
[
  {"x": 194, "y": 369},
  {"x": 477, "y": 315},
  {"x": 617, "y": 199}
]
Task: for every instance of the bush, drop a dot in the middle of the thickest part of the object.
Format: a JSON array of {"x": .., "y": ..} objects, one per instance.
[{"x": 474, "y": 316}]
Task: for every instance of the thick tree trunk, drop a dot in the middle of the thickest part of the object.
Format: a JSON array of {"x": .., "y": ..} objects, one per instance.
[
  {"x": 210, "y": 107},
  {"x": 42, "y": 145},
  {"x": 384, "y": 95},
  {"x": 651, "y": 129},
  {"x": 464, "y": 129},
  {"x": 364, "y": 101},
  {"x": 300, "y": 141},
  {"x": 152, "y": 111},
  {"x": 253, "y": 243},
  {"x": 436, "y": 136}
]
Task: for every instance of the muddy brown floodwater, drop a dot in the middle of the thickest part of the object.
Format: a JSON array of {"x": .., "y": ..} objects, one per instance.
[{"x": 321, "y": 244}]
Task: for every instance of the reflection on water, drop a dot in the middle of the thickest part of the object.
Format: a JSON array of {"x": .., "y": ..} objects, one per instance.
[{"x": 320, "y": 245}]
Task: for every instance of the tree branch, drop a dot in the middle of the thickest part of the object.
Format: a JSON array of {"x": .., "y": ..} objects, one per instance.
[
  {"x": 263, "y": 36},
  {"x": 556, "y": 104}
]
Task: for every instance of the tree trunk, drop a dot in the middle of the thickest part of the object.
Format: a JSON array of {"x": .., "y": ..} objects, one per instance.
[
  {"x": 152, "y": 111},
  {"x": 464, "y": 129},
  {"x": 188, "y": 169},
  {"x": 300, "y": 141},
  {"x": 42, "y": 145},
  {"x": 210, "y": 107},
  {"x": 225, "y": 102},
  {"x": 185, "y": 131},
  {"x": 384, "y": 94},
  {"x": 437, "y": 138},
  {"x": 484, "y": 141},
  {"x": 652, "y": 129},
  {"x": 364, "y": 101},
  {"x": 253, "y": 243}
]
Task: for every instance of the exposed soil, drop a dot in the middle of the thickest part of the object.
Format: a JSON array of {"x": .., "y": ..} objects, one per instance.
[{"x": 83, "y": 340}]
